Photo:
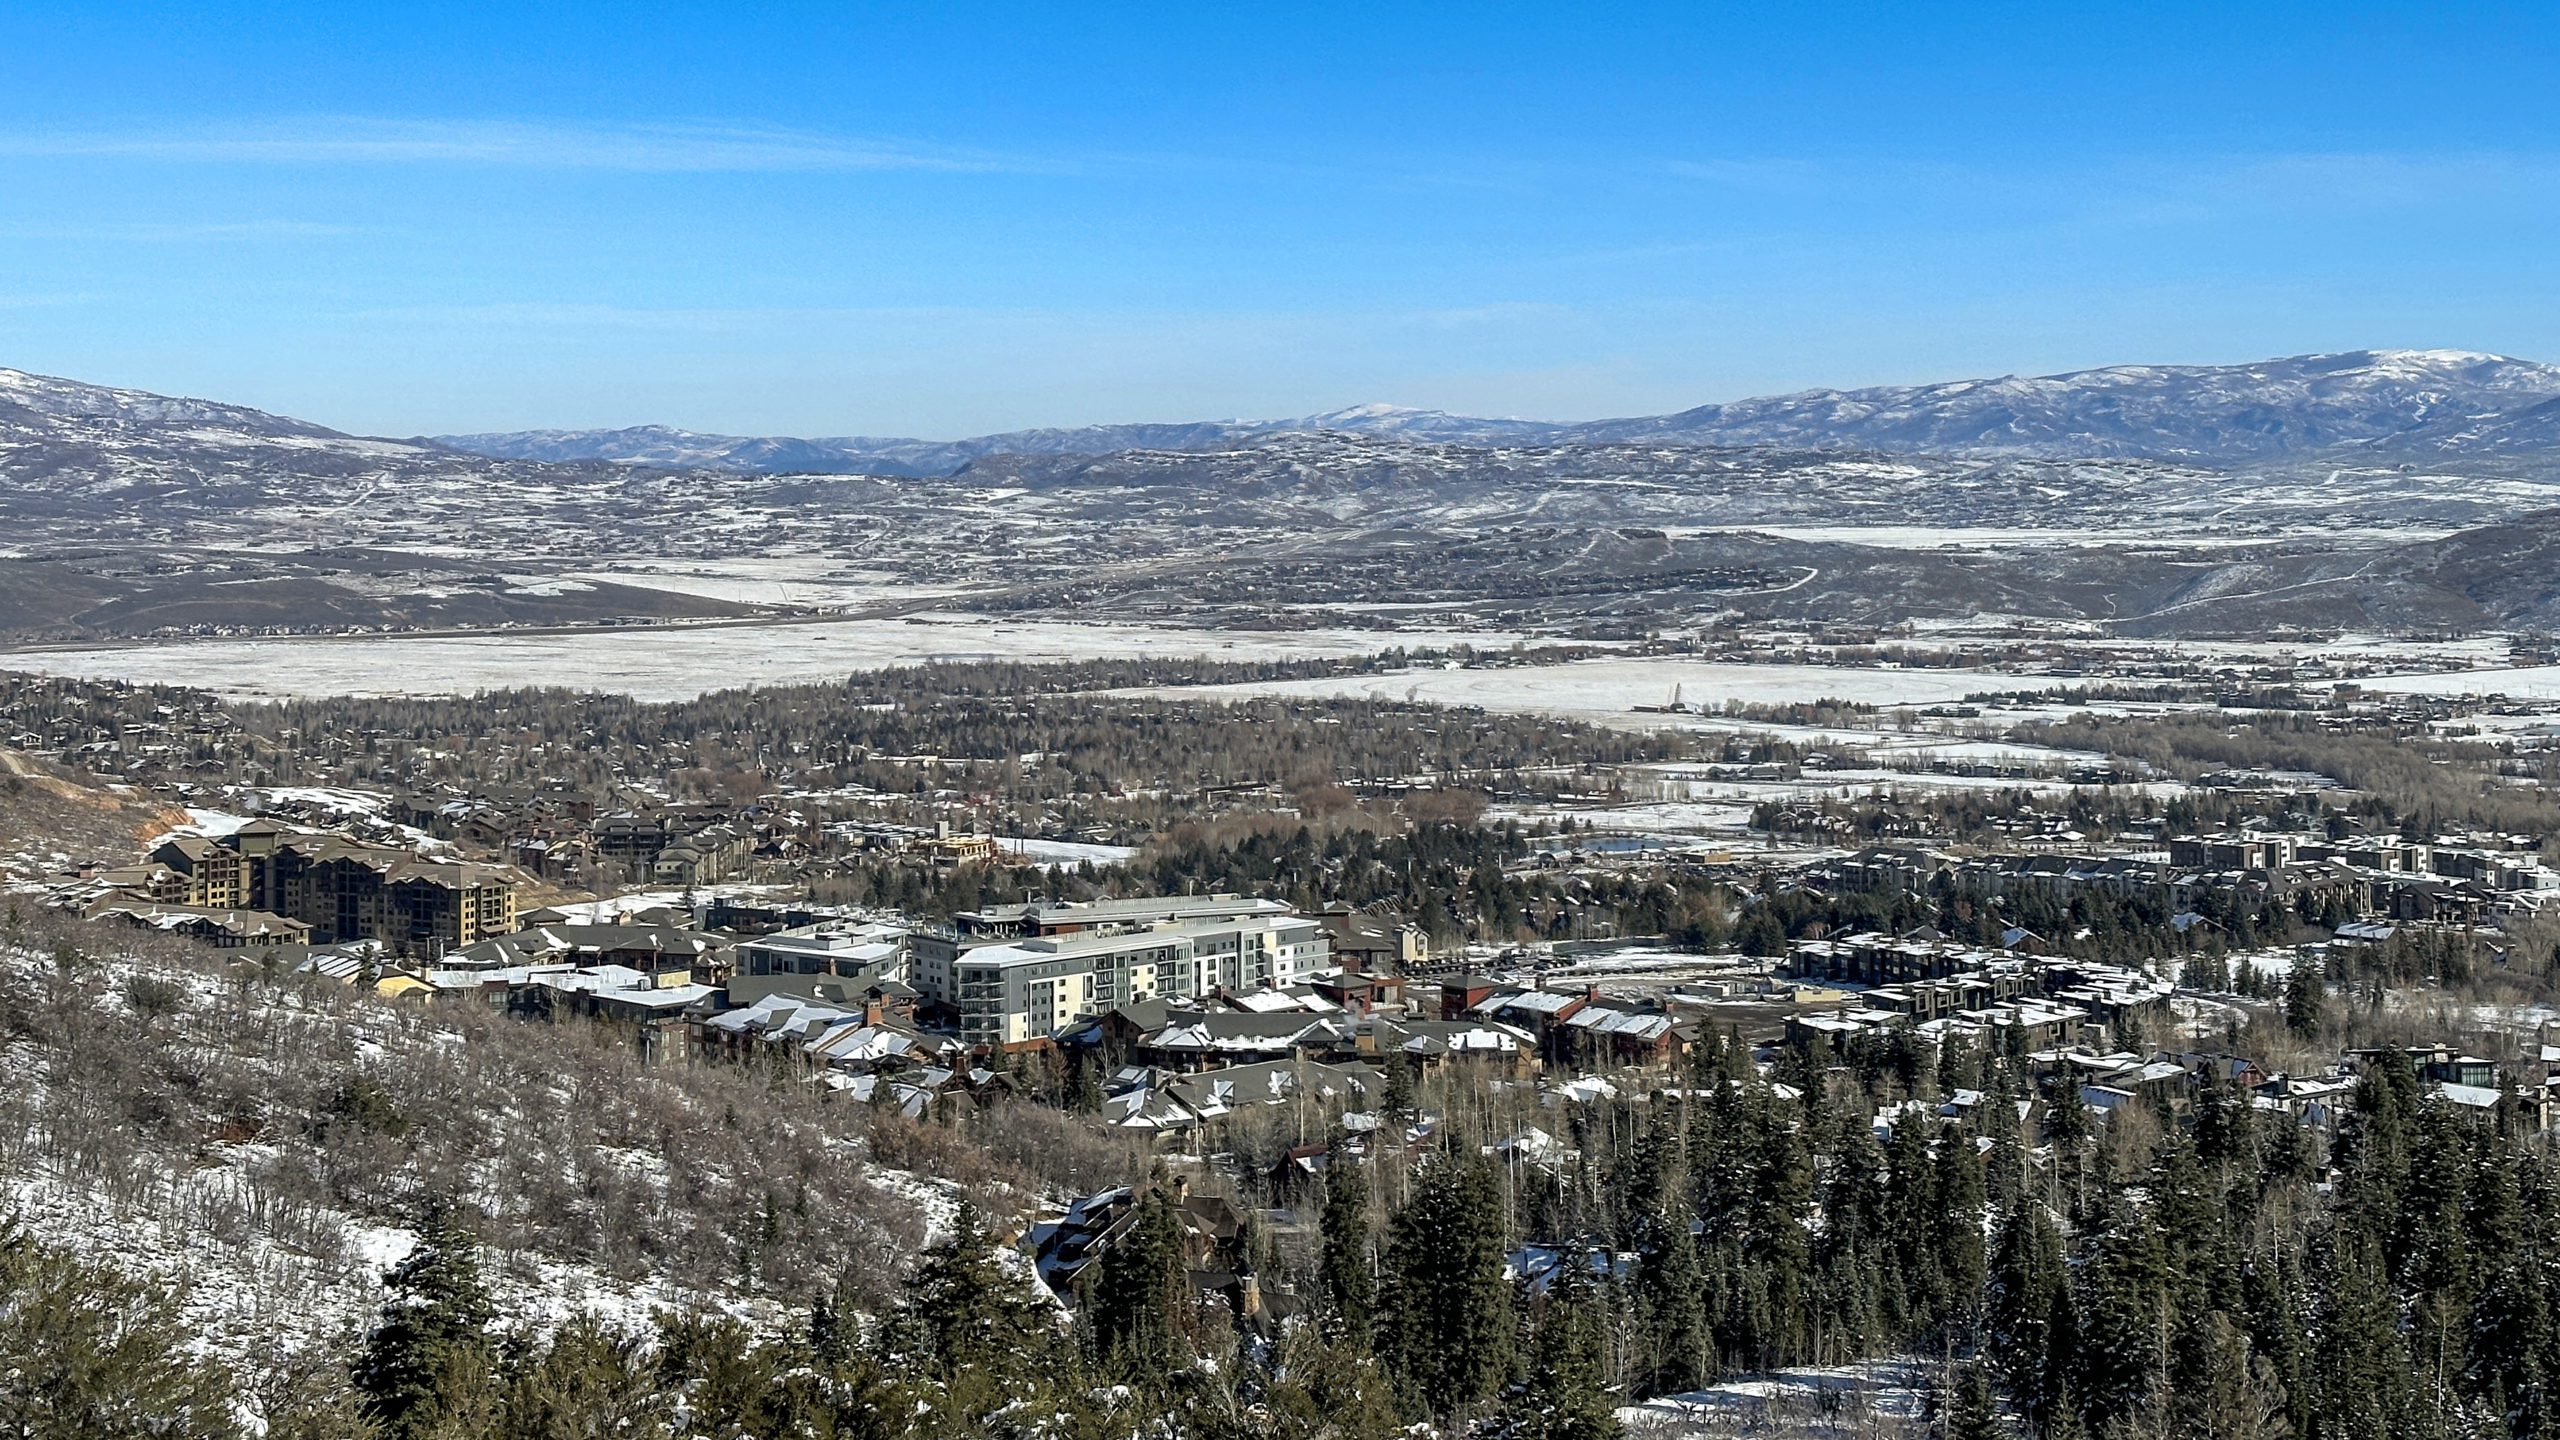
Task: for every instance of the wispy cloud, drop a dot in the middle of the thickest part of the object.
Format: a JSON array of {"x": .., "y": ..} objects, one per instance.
[
  {"x": 158, "y": 232},
  {"x": 45, "y": 302},
  {"x": 1920, "y": 195},
  {"x": 666, "y": 147},
  {"x": 1763, "y": 174}
]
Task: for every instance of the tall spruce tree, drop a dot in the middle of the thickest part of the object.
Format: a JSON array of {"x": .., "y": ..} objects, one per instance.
[
  {"x": 427, "y": 1369},
  {"x": 1349, "y": 1273},
  {"x": 2028, "y": 1312},
  {"x": 1670, "y": 1298},
  {"x": 1139, "y": 1300},
  {"x": 1447, "y": 1328},
  {"x": 959, "y": 1311},
  {"x": 2304, "y": 992},
  {"x": 1565, "y": 1396},
  {"x": 2125, "y": 1320},
  {"x": 1955, "y": 1230}
]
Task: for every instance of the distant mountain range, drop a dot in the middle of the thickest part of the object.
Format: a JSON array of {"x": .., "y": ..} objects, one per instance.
[
  {"x": 2318, "y": 492},
  {"x": 664, "y": 446},
  {"x": 2433, "y": 403}
]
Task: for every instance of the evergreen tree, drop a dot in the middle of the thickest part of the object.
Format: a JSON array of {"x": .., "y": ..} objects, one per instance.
[
  {"x": 588, "y": 1380},
  {"x": 1398, "y": 1101},
  {"x": 2303, "y": 993},
  {"x": 1323, "y": 1389},
  {"x": 961, "y": 1313},
  {"x": 1971, "y": 1412},
  {"x": 1566, "y": 1395},
  {"x": 1447, "y": 1309},
  {"x": 2362, "y": 1373},
  {"x": 1671, "y": 1309},
  {"x": 427, "y": 1367},
  {"x": 1084, "y": 1085},
  {"x": 2028, "y": 1320},
  {"x": 1349, "y": 1276},
  {"x": 1139, "y": 1299},
  {"x": 715, "y": 1375},
  {"x": 1955, "y": 1238},
  {"x": 2124, "y": 1327},
  {"x": 88, "y": 1354},
  {"x": 849, "y": 1399}
]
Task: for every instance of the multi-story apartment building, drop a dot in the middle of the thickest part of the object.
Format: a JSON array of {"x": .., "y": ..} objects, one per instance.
[
  {"x": 798, "y": 960},
  {"x": 349, "y": 890},
  {"x": 936, "y": 950},
  {"x": 2238, "y": 851},
  {"x": 195, "y": 870},
  {"x": 1017, "y": 975}
]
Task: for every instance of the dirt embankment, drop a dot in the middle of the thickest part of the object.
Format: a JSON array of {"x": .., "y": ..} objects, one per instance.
[{"x": 52, "y": 815}]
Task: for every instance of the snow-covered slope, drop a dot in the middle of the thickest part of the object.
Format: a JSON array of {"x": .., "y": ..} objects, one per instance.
[
  {"x": 266, "y": 1141},
  {"x": 70, "y": 448},
  {"x": 29, "y": 400}
]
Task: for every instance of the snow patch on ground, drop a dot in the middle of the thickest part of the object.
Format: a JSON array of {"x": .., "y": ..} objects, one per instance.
[
  {"x": 1064, "y": 852},
  {"x": 1809, "y": 1401}
]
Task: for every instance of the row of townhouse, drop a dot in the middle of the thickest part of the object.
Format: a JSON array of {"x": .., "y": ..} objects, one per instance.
[
  {"x": 2456, "y": 882},
  {"x": 2494, "y": 861},
  {"x": 1180, "y": 1038},
  {"x": 1939, "y": 987},
  {"x": 2108, "y": 1081},
  {"x": 1574, "y": 1028},
  {"x": 1169, "y": 1102},
  {"x": 664, "y": 955},
  {"x": 220, "y": 927}
]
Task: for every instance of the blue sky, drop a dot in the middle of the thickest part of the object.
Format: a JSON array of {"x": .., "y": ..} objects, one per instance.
[{"x": 947, "y": 219}]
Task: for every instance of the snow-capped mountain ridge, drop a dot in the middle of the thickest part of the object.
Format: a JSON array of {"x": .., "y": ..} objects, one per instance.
[
  {"x": 2209, "y": 413},
  {"x": 2213, "y": 414},
  {"x": 889, "y": 455},
  {"x": 2342, "y": 468},
  {"x": 59, "y": 399}
]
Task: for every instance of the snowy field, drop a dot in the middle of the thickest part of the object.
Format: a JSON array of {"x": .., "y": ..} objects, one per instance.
[
  {"x": 1608, "y": 691},
  {"x": 2532, "y": 682},
  {"x": 1064, "y": 852},
  {"x": 766, "y": 580},
  {"x": 680, "y": 662},
  {"x": 1669, "y": 817},
  {"x": 1993, "y": 537}
]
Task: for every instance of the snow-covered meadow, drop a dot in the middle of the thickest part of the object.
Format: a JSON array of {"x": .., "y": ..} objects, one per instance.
[
  {"x": 680, "y": 662},
  {"x": 1608, "y": 691}
]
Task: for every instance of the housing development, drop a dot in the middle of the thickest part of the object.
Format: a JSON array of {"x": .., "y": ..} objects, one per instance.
[
  {"x": 864, "y": 722},
  {"x": 2058, "y": 961}
]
